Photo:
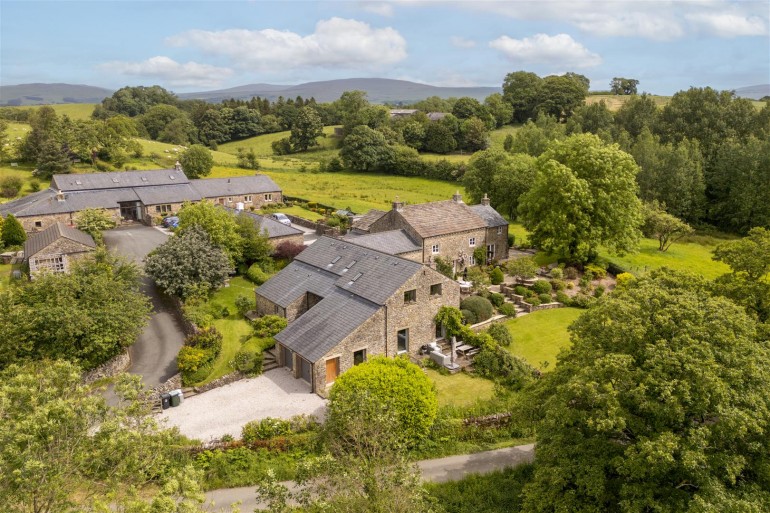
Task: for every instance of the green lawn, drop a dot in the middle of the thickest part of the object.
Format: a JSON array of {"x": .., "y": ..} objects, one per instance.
[
  {"x": 460, "y": 389},
  {"x": 73, "y": 110},
  {"x": 262, "y": 144},
  {"x": 538, "y": 337},
  {"x": 497, "y": 136},
  {"x": 685, "y": 256}
]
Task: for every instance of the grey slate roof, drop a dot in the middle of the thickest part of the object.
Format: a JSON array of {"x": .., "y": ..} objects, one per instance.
[
  {"x": 41, "y": 240},
  {"x": 392, "y": 242},
  {"x": 45, "y": 202},
  {"x": 380, "y": 274},
  {"x": 489, "y": 215},
  {"x": 365, "y": 222},
  {"x": 160, "y": 194},
  {"x": 326, "y": 324},
  {"x": 294, "y": 280},
  {"x": 273, "y": 227},
  {"x": 235, "y": 186},
  {"x": 117, "y": 179}
]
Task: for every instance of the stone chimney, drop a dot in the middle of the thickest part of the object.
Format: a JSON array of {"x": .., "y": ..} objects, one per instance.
[
  {"x": 457, "y": 198},
  {"x": 59, "y": 195},
  {"x": 178, "y": 166},
  {"x": 398, "y": 205},
  {"x": 485, "y": 200}
]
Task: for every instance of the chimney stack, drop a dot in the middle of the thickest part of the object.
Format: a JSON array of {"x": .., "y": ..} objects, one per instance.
[
  {"x": 178, "y": 166},
  {"x": 457, "y": 198},
  {"x": 59, "y": 195},
  {"x": 485, "y": 200},
  {"x": 398, "y": 205}
]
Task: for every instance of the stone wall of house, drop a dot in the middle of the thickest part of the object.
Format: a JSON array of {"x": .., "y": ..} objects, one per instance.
[
  {"x": 415, "y": 256},
  {"x": 384, "y": 223},
  {"x": 296, "y": 308},
  {"x": 70, "y": 251},
  {"x": 154, "y": 214},
  {"x": 370, "y": 336},
  {"x": 267, "y": 307},
  {"x": 258, "y": 199},
  {"x": 38, "y": 223},
  {"x": 418, "y": 317},
  {"x": 500, "y": 240},
  {"x": 453, "y": 245}
]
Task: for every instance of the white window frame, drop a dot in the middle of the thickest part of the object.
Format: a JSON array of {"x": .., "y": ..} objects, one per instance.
[
  {"x": 406, "y": 345},
  {"x": 472, "y": 242},
  {"x": 471, "y": 260},
  {"x": 52, "y": 263},
  {"x": 499, "y": 230},
  {"x": 248, "y": 199},
  {"x": 269, "y": 196},
  {"x": 163, "y": 209},
  {"x": 435, "y": 249}
]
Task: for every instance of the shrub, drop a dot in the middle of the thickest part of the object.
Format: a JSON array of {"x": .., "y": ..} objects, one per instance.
[
  {"x": 256, "y": 274},
  {"x": 563, "y": 298},
  {"x": 264, "y": 429},
  {"x": 248, "y": 362},
  {"x": 496, "y": 363},
  {"x": 500, "y": 333},
  {"x": 544, "y": 298},
  {"x": 570, "y": 286},
  {"x": 469, "y": 317},
  {"x": 599, "y": 291},
  {"x": 511, "y": 240},
  {"x": 243, "y": 304},
  {"x": 542, "y": 287},
  {"x": 480, "y": 255},
  {"x": 190, "y": 359},
  {"x": 281, "y": 146},
  {"x": 444, "y": 267},
  {"x": 197, "y": 314},
  {"x": 624, "y": 280},
  {"x": 10, "y": 186},
  {"x": 558, "y": 285},
  {"x": 288, "y": 250},
  {"x": 207, "y": 338},
  {"x": 203, "y": 372},
  {"x": 582, "y": 301},
  {"x": 598, "y": 273},
  {"x": 523, "y": 267},
  {"x": 496, "y": 299},
  {"x": 34, "y": 185},
  {"x": 269, "y": 326},
  {"x": 389, "y": 387},
  {"x": 481, "y": 307},
  {"x": 520, "y": 290},
  {"x": 496, "y": 276},
  {"x": 534, "y": 301},
  {"x": 570, "y": 273},
  {"x": 557, "y": 273},
  {"x": 507, "y": 309}
]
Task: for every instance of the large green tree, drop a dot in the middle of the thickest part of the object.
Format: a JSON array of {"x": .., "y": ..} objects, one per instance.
[
  {"x": 659, "y": 405},
  {"x": 366, "y": 150},
  {"x": 583, "y": 196},
  {"x": 218, "y": 223},
  {"x": 189, "y": 263},
  {"x": 521, "y": 89},
  {"x": 503, "y": 177},
  {"x": 196, "y": 161},
  {"x": 306, "y": 129},
  {"x": 13, "y": 232}
]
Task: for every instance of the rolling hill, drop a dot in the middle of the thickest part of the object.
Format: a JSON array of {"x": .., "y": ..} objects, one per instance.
[
  {"x": 753, "y": 92},
  {"x": 47, "y": 94}
]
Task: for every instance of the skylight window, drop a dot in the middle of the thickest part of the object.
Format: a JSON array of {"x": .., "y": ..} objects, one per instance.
[
  {"x": 78, "y": 182},
  {"x": 115, "y": 180},
  {"x": 144, "y": 178},
  {"x": 336, "y": 259}
]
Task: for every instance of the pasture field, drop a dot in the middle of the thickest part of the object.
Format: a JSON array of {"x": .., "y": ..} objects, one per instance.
[
  {"x": 538, "y": 337},
  {"x": 73, "y": 110},
  {"x": 262, "y": 144},
  {"x": 497, "y": 137},
  {"x": 614, "y": 102}
]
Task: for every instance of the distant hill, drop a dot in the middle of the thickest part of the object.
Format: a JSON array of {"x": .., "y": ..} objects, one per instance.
[
  {"x": 47, "y": 94},
  {"x": 379, "y": 90},
  {"x": 753, "y": 92}
]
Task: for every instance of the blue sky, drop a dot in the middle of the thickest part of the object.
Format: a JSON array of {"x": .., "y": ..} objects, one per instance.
[{"x": 189, "y": 45}]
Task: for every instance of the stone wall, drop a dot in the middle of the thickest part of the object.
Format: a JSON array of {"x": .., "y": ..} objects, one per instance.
[
  {"x": 152, "y": 217},
  {"x": 454, "y": 244},
  {"x": 258, "y": 199},
  {"x": 220, "y": 382},
  {"x": 320, "y": 229},
  {"x": 30, "y": 223},
  {"x": 68, "y": 249},
  {"x": 108, "y": 369},
  {"x": 500, "y": 240},
  {"x": 267, "y": 307}
]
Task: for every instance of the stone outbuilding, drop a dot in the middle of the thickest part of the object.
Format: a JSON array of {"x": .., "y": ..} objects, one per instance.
[
  {"x": 448, "y": 229},
  {"x": 55, "y": 248},
  {"x": 346, "y": 302}
]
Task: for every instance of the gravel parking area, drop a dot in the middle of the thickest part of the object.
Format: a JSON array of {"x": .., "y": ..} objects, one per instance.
[{"x": 225, "y": 410}]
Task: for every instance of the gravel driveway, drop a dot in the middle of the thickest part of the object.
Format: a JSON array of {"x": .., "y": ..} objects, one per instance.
[{"x": 225, "y": 410}]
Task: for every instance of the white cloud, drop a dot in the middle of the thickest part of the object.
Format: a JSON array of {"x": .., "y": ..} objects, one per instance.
[
  {"x": 172, "y": 72},
  {"x": 379, "y": 8},
  {"x": 336, "y": 43},
  {"x": 723, "y": 24},
  {"x": 461, "y": 42},
  {"x": 558, "y": 50},
  {"x": 638, "y": 24}
]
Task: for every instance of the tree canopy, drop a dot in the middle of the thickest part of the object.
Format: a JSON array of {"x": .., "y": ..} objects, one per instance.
[
  {"x": 218, "y": 223},
  {"x": 658, "y": 405},
  {"x": 583, "y": 196},
  {"x": 196, "y": 161}
]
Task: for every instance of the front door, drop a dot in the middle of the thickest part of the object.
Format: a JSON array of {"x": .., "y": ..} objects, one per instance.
[{"x": 332, "y": 370}]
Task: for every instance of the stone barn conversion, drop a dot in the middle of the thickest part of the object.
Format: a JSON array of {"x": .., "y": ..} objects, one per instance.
[
  {"x": 345, "y": 302},
  {"x": 55, "y": 248}
]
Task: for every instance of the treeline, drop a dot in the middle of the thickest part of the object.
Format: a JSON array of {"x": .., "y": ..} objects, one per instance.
[{"x": 705, "y": 155}]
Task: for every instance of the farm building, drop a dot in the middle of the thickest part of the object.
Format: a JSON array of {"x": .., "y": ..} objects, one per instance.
[{"x": 55, "y": 248}]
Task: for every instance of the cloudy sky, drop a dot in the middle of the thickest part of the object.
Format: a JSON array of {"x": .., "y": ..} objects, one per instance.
[{"x": 189, "y": 45}]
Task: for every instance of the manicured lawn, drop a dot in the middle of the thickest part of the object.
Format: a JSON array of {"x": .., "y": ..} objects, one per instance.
[
  {"x": 538, "y": 337},
  {"x": 460, "y": 389},
  {"x": 690, "y": 256}
]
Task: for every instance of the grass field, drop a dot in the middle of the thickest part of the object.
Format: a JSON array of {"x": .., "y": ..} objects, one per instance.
[
  {"x": 298, "y": 211},
  {"x": 73, "y": 110},
  {"x": 460, "y": 389},
  {"x": 538, "y": 337},
  {"x": 497, "y": 137},
  {"x": 614, "y": 102},
  {"x": 262, "y": 144}
]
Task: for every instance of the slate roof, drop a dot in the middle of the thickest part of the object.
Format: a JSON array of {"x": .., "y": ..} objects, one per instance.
[
  {"x": 235, "y": 186},
  {"x": 41, "y": 240},
  {"x": 489, "y": 215},
  {"x": 326, "y": 324},
  {"x": 157, "y": 195},
  {"x": 273, "y": 227},
  {"x": 441, "y": 218},
  {"x": 354, "y": 282},
  {"x": 365, "y": 222},
  {"x": 392, "y": 242},
  {"x": 45, "y": 202},
  {"x": 117, "y": 179}
]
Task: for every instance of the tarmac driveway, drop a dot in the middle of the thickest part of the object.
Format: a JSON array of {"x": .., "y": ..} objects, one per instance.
[{"x": 153, "y": 356}]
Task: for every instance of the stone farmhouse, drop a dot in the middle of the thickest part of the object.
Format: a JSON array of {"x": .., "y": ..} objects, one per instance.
[
  {"x": 55, "y": 248},
  {"x": 448, "y": 229},
  {"x": 144, "y": 196},
  {"x": 346, "y": 302}
]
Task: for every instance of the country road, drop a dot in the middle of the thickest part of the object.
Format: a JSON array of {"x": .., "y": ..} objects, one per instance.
[{"x": 440, "y": 470}]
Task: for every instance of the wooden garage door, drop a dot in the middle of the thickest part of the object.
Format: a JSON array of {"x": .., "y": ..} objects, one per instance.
[{"x": 332, "y": 370}]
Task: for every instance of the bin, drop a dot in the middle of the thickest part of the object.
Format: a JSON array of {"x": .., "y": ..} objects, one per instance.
[
  {"x": 175, "y": 396},
  {"x": 165, "y": 400}
]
